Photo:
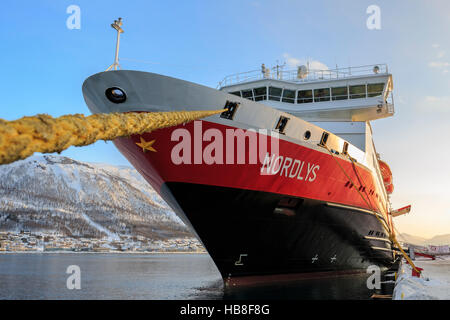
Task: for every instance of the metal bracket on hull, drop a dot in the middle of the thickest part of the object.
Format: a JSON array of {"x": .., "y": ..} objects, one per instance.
[
  {"x": 240, "y": 262},
  {"x": 401, "y": 211}
]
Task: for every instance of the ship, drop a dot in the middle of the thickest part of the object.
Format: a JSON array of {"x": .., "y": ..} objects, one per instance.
[{"x": 285, "y": 182}]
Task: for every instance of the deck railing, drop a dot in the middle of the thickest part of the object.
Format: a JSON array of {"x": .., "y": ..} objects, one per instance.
[{"x": 312, "y": 75}]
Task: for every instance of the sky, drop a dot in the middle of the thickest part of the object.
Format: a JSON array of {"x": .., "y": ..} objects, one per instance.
[{"x": 44, "y": 64}]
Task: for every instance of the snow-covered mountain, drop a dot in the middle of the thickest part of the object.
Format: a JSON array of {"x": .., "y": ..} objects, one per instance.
[
  {"x": 57, "y": 194},
  {"x": 443, "y": 239}
]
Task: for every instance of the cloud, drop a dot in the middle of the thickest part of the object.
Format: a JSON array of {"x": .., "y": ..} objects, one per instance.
[
  {"x": 434, "y": 103},
  {"x": 293, "y": 62},
  {"x": 439, "y": 64},
  {"x": 317, "y": 65}
]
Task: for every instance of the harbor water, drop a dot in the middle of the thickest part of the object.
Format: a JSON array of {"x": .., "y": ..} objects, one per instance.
[{"x": 151, "y": 276}]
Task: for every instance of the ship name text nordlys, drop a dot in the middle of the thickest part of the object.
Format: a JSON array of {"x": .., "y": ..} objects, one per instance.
[{"x": 289, "y": 168}]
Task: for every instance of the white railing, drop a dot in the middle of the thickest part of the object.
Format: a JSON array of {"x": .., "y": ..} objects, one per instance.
[
  {"x": 313, "y": 75},
  {"x": 390, "y": 103}
]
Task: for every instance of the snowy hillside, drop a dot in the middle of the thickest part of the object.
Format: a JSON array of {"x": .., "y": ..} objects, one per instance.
[
  {"x": 58, "y": 194},
  {"x": 436, "y": 240}
]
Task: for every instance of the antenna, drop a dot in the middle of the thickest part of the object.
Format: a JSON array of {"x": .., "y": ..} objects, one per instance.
[
  {"x": 279, "y": 69},
  {"x": 117, "y": 26}
]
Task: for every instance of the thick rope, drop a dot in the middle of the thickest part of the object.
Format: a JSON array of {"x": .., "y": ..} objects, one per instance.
[
  {"x": 21, "y": 138},
  {"x": 392, "y": 236}
]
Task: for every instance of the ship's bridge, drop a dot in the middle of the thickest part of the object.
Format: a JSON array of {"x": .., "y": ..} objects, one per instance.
[{"x": 361, "y": 93}]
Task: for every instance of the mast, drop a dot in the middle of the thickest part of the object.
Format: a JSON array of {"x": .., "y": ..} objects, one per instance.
[{"x": 117, "y": 26}]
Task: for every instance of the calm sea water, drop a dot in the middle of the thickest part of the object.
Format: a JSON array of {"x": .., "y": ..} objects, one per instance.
[{"x": 150, "y": 276}]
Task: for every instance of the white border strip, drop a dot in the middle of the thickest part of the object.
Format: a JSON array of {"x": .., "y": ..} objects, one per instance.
[
  {"x": 378, "y": 239},
  {"x": 337, "y": 205},
  {"x": 384, "y": 249}
]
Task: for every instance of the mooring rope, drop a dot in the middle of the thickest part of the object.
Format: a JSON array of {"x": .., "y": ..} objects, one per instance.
[
  {"x": 21, "y": 138},
  {"x": 392, "y": 236}
]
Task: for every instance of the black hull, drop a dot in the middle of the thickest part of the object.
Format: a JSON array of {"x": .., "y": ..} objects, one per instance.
[{"x": 249, "y": 233}]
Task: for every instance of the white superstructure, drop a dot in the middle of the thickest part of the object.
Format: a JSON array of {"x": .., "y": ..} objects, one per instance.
[
  {"x": 347, "y": 94},
  {"x": 341, "y": 101}
]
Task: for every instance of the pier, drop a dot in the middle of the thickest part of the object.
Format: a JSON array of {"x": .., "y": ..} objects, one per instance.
[{"x": 434, "y": 283}]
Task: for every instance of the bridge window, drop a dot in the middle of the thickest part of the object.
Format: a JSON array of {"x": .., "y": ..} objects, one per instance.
[
  {"x": 275, "y": 93},
  {"x": 357, "y": 92},
  {"x": 236, "y": 93},
  {"x": 288, "y": 96},
  {"x": 375, "y": 89},
  {"x": 322, "y": 94},
  {"x": 248, "y": 94},
  {"x": 260, "y": 93},
  {"x": 304, "y": 96},
  {"x": 339, "y": 93}
]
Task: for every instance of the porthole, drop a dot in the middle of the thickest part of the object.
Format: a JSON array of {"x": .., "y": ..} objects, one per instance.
[
  {"x": 116, "y": 95},
  {"x": 307, "y": 135}
]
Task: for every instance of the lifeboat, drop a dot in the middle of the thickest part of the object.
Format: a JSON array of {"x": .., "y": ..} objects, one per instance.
[{"x": 387, "y": 176}]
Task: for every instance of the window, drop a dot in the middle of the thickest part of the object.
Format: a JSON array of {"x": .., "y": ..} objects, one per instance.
[
  {"x": 339, "y": 93},
  {"x": 304, "y": 96},
  {"x": 116, "y": 95},
  {"x": 281, "y": 124},
  {"x": 307, "y": 135},
  {"x": 248, "y": 94},
  {"x": 288, "y": 96},
  {"x": 236, "y": 93},
  {"x": 357, "y": 92},
  {"x": 375, "y": 89},
  {"x": 322, "y": 94},
  {"x": 260, "y": 93},
  {"x": 275, "y": 93}
]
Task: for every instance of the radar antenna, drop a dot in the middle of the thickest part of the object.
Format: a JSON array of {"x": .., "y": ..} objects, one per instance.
[{"x": 302, "y": 72}]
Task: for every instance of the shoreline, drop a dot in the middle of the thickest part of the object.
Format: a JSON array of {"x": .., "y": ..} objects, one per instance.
[{"x": 93, "y": 252}]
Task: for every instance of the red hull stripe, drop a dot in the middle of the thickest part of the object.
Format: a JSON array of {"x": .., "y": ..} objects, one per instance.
[{"x": 319, "y": 177}]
